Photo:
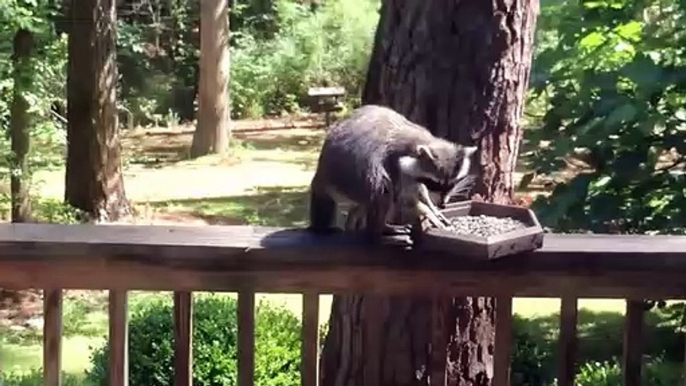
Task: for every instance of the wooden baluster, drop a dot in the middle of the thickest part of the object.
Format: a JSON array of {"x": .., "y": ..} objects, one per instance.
[
  {"x": 52, "y": 337},
  {"x": 309, "y": 353},
  {"x": 119, "y": 338},
  {"x": 503, "y": 341},
  {"x": 183, "y": 339},
  {"x": 246, "y": 338},
  {"x": 633, "y": 331},
  {"x": 567, "y": 341},
  {"x": 440, "y": 309}
]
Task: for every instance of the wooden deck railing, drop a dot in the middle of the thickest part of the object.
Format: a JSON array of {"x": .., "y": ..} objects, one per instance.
[{"x": 249, "y": 260}]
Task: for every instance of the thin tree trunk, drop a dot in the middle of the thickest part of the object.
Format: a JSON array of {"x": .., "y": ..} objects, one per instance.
[
  {"x": 20, "y": 127},
  {"x": 460, "y": 69},
  {"x": 212, "y": 133},
  {"x": 94, "y": 181}
]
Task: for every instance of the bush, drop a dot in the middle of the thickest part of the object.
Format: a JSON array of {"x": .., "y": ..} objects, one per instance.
[
  {"x": 330, "y": 46},
  {"x": 535, "y": 347},
  {"x": 277, "y": 344},
  {"x": 35, "y": 378},
  {"x": 656, "y": 373}
]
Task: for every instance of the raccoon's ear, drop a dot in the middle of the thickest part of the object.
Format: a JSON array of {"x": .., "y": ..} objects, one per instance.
[
  {"x": 469, "y": 151},
  {"x": 425, "y": 152}
]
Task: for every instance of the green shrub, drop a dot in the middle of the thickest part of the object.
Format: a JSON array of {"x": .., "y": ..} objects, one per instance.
[
  {"x": 330, "y": 46},
  {"x": 277, "y": 344},
  {"x": 656, "y": 373},
  {"x": 535, "y": 345},
  {"x": 35, "y": 378}
]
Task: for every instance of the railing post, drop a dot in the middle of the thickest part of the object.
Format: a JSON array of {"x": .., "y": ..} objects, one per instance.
[
  {"x": 567, "y": 341},
  {"x": 52, "y": 337},
  {"x": 440, "y": 306},
  {"x": 633, "y": 334},
  {"x": 309, "y": 358},
  {"x": 119, "y": 338},
  {"x": 246, "y": 337},
  {"x": 503, "y": 340},
  {"x": 183, "y": 338}
]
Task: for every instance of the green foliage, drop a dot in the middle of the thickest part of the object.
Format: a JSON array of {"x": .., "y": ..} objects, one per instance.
[
  {"x": 330, "y": 46},
  {"x": 277, "y": 342},
  {"x": 614, "y": 80},
  {"x": 48, "y": 210},
  {"x": 279, "y": 48},
  {"x": 656, "y": 373},
  {"x": 600, "y": 336},
  {"x": 35, "y": 378}
]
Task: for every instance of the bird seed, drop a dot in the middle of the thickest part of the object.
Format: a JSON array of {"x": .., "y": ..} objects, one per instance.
[{"x": 484, "y": 226}]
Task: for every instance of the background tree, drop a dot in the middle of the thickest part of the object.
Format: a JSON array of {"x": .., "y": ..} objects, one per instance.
[
  {"x": 94, "y": 181},
  {"x": 212, "y": 133},
  {"x": 460, "y": 69},
  {"x": 20, "y": 126}
]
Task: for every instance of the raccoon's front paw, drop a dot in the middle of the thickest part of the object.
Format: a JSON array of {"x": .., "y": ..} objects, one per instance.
[
  {"x": 402, "y": 241},
  {"x": 396, "y": 230}
]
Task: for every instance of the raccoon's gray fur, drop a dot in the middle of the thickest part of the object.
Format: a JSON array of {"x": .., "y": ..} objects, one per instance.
[{"x": 365, "y": 156}]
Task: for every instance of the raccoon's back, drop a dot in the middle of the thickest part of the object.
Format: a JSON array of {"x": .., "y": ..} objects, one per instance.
[{"x": 356, "y": 148}]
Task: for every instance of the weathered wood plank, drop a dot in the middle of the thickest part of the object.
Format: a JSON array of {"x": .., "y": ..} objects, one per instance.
[
  {"x": 276, "y": 260},
  {"x": 118, "y": 338},
  {"x": 567, "y": 357},
  {"x": 52, "y": 337},
  {"x": 183, "y": 339},
  {"x": 632, "y": 362},
  {"x": 246, "y": 338},
  {"x": 503, "y": 341},
  {"x": 309, "y": 358}
]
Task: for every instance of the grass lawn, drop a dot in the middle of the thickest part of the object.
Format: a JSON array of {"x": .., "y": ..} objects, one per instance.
[{"x": 264, "y": 180}]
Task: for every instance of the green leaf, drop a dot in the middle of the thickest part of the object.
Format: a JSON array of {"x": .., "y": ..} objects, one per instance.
[
  {"x": 592, "y": 41},
  {"x": 630, "y": 31}
]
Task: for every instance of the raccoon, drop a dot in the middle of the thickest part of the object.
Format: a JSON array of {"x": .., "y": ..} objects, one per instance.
[{"x": 375, "y": 160}]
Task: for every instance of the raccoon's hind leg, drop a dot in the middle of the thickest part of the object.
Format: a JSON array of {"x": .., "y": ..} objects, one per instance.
[
  {"x": 378, "y": 230},
  {"x": 322, "y": 211},
  {"x": 355, "y": 219}
]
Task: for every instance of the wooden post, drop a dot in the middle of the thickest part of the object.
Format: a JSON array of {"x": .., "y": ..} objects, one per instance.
[
  {"x": 119, "y": 339},
  {"x": 212, "y": 133},
  {"x": 52, "y": 337},
  {"x": 568, "y": 321},
  {"x": 309, "y": 358},
  {"x": 503, "y": 341},
  {"x": 246, "y": 338},
  {"x": 633, "y": 331},
  {"x": 183, "y": 339}
]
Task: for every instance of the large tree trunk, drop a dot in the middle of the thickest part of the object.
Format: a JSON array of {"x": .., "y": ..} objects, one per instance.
[
  {"x": 94, "y": 181},
  {"x": 212, "y": 133},
  {"x": 20, "y": 126},
  {"x": 461, "y": 69}
]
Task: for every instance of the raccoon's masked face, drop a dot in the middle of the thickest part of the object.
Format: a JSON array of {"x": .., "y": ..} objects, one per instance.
[
  {"x": 456, "y": 179},
  {"x": 443, "y": 168}
]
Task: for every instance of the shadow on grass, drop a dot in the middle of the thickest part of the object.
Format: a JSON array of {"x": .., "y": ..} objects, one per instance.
[
  {"x": 160, "y": 150},
  {"x": 161, "y": 155},
  {"x": 291, "y": 143},
  {"x": 269, "y": 206}
]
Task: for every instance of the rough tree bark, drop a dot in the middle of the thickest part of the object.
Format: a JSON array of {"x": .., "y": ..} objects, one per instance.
[
  {"x": 212, "y": 133},
  {"x": 94, "y": 181},
  {"x": 460, "y": 69},
  {"x": 20, "y": 126}
]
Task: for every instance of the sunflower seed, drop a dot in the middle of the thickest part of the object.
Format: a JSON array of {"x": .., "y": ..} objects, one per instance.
[{"x": 484, "y": 226}]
